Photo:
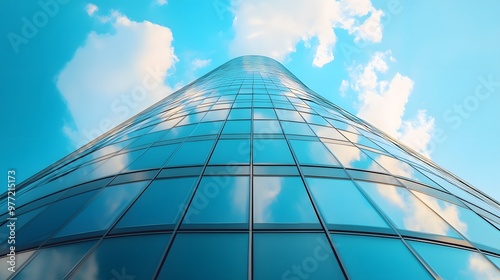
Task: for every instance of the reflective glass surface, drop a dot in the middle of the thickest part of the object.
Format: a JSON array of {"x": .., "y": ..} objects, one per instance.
[
  {"x": 282, "y": 202},
  {"x": 219, "y": 202},
  {"x": 240, "y": 114},
  {"x": 51, "y": 219},
  {"x": 294, "y": 256},
  {"x": 179, "y": 132},
  {"x": 494, "y": 260},
  {"x": 207, "y": 128},
  {"x": 112, "y": 259},
  {"x": 314, "y": 119},
  {"x": 400, "y": 168},
  {"x": 21, "y": 258},
  {"x": 103, "y": 210},
  {"x": 367, "y": 257},
  {"x": 217, "y": 115},
  {"x": 288, "y": 115},
  {"x": 266, "y": 127},
  {"x": 465, "y": 221},
  {"x": 271, "y": 151},
  {"x": 231, "y": 151},
  {"x": 406, "y": 211},
  {"x": 256, "y": 172},
  {"x": 154, "y": 157},
  {"x": 352, "y": 157},
  {"x": 237, "y": 127},
  {"x": 297, "y": 128},
  {"x": 160, "y": 204},
  {"x": 311, "y": 152},
  {"x": 55, "y": 262},
  {"x": 263, "y": 114},
  {"x": 201, "y": 255},
  {"x": 192, "y": 118},
  {"x": 445, "y": 260},
  {"x": 327, "y": 132},
  {"x": 341, "y": 203},
  {"x": 198, "y": 153}
]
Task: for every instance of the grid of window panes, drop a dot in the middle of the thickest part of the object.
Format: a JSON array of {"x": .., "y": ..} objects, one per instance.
[{"x": 248, "y": 174}]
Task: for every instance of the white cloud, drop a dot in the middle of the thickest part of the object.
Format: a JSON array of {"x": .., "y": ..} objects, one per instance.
[
  {"x": 91, "y": 9},
  {"x": 161, "y": 2},
  {"x": 200, "y": 63},
  {"x": 115, "y": 75},
  {"x": 275, "y": 27},
  {"x": 482, "y": 268},
  {"x": 417, "y": 133},
  {"x": 344, "y": 85},
  {"x": 383, "y": 103}
]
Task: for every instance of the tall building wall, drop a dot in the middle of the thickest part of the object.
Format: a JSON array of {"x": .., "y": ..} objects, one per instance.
[{"x": 248, "y": 174}]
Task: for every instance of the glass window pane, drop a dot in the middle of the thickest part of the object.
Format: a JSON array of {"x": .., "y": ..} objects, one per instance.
[
  {"x": 118, "y": 258},
  {"x": 471, "y": 225},
  {"x": 263, "y": 114},
  {"x": 400, "y": 168},
  {"x": 208, "y": 128},
  {"x": 55, "y": 262},
  {"x": 142, "y": 140},
  {"x": 294, "y": 256},
  {"x": 272, "y": 151},
  {"x": 231, "y": 152},
  {"x": 154, "y": 157},
  {"x": 297, "y": 128},
  {"x": 208, "y": 255},
  {"x": 406, "y": 211},
  {"x": 454, "y": 263},
  {"x": 220, "y": 202},
  {"x": 217, "y": 115},
  {"x": 199, "y": 157},
  {"x": 353, "y": 157},
  {"x": 288, "y": 115},
  {"x": 327, "y": 132},
  {"x": 22, "y": 220},
  {"x": 51, "y": 219},
  {"x": 341, "y": 203},
  {"x": 312, "y": 152},
  {"x": 104, "y": 209},
  {"x": 193, "y": 118},
  {"x": 266, "y": 127},
  {"x": 282, "y": 202},
  {"x": 165, "y": 125},
  {"x": 114, "y": 165},
  {"x": 494, "y": 260},
  {"x": 179, "y": 132},
  {"x": 236, "y": 127},
  {"x": 20, "y": 260},
  {"x": 315, "y": 119},
  {"x": 161, "y": 203},
  {"x": 240, "y": 114},
  {"x": 367, "y": 257}
]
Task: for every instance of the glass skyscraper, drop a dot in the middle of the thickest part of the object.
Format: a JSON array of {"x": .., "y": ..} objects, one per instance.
[{"x": 248, "y": 174}]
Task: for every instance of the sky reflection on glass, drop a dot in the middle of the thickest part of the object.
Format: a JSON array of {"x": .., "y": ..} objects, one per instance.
[{"x": 282, "y": 200}]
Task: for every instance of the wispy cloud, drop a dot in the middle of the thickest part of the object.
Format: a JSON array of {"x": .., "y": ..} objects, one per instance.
[
  {"x": 200, "y": 63},
  {"x": 91, "y": 9},
  {"x": 115, "y": 75},
  {"x": 383, "y": 102},
  {"x": 344, "y": 86},
  {"x": 275, "y": 27},
  {"x": 161, "y": 2}
]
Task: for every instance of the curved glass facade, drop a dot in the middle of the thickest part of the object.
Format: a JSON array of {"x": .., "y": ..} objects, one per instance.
[{"x": 247, "y": 174}]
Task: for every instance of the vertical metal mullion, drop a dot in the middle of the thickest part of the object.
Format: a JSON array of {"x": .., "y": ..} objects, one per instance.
[
  {"x": 250, "y": 220},
  {"x": 316, "y": 209},
  {"x": 191, "y": 197}
]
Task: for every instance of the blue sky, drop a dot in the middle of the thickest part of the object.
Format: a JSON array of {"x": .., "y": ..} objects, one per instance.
[{"x": 425, "y": 72}]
